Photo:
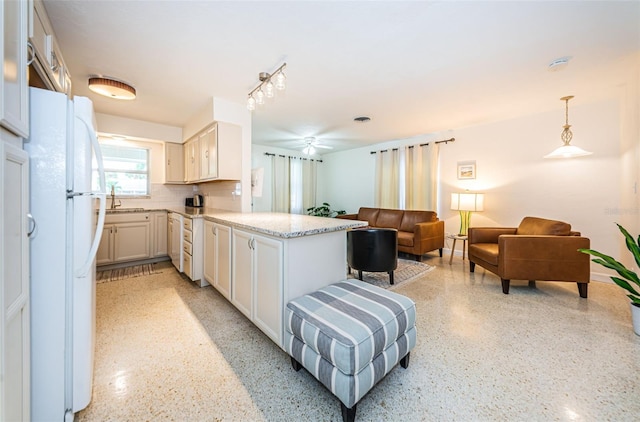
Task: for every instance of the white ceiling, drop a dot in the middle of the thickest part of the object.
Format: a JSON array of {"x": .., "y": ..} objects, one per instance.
[{"x": 413, "y": 67}]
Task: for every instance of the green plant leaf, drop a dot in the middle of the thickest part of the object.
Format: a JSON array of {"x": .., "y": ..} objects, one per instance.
[
  {"x": 634, "y": 299},
  {"x": 625, "y": 285},
  {"x": 609, "y": 262},
  {"x": 633, "y": 247}
]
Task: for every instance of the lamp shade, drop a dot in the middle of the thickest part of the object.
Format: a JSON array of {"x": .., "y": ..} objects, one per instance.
[{"x": 467, "y": 201}]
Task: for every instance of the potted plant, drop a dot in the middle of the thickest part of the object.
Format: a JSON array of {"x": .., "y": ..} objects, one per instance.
[
  {"x": 324, "y": 210},
  {"x": 629, "y": 281}
]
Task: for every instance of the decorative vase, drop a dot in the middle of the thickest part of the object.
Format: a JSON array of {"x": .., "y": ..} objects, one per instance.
[{"x": 635, "y": 318}]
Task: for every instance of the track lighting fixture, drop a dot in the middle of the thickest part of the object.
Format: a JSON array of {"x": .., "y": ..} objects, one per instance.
[{"x": 267, "y": 87}]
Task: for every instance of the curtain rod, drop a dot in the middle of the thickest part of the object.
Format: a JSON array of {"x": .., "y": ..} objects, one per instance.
[
  {"x": 445, "y": 141},
  {"x": 291, "y": 156}
]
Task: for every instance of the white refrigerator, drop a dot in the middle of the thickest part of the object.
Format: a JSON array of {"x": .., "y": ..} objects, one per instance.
[{"x": 61, "y": 145}]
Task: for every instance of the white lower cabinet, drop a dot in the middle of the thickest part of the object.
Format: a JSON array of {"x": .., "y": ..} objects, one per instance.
[
  {"x": 257, "y": 274},
  {"x": 125, "y": 237},
  {"x": 159, "y": 245},
  {"x": 192, "y": 250},
  {"x": 217, "y": 257}
]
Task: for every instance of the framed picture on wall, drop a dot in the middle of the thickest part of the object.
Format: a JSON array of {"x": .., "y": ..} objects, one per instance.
[{"x": 466, "y": 169}]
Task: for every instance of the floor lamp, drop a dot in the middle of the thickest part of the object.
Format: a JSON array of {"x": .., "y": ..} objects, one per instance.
[{"x": 466, "y": 203}]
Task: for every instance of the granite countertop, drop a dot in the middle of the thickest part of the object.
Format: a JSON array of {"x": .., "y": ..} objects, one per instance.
[
  {"x": 281, "y": 224},
  {"x": 270, "y": 223}
]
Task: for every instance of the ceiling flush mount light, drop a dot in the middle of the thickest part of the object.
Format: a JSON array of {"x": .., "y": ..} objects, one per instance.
[
  {"x": 269, "y": 83},
  {"x": 112, "y": 88},
  {"x": 567, "y": 150}
]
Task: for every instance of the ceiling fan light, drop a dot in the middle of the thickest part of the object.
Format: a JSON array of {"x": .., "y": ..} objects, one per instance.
[{"x": 112, "y": 88}]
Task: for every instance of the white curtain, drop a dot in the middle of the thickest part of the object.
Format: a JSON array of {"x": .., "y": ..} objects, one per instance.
[
  {"x": 280, "y": 201},
  {"x": 421, "y": 176},
  {"x": 296, "y": 185},
  {"x": 309, "y": 183},
  {"x": 387, "y": 179}
]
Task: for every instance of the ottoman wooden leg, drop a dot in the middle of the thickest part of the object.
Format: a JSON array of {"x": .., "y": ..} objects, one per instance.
[
  {"x": 404, "y": 362},
  {"x": 296, "y": 365},
  {"x": 348, "y": 415}
]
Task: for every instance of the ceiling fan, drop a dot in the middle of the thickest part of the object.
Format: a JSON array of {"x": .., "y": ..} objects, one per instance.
[{"x": 310, "y": 145}]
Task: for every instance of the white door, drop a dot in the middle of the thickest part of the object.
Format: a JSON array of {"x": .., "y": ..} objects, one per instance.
[{"x": 15, "y": 352}]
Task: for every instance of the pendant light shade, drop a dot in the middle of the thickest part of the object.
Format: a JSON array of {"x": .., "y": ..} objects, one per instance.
[
  {"x": 567, "y": 150},
  {"x": 112, "y": 88}
]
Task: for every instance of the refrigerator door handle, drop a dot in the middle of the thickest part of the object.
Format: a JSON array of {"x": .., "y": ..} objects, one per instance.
[{"x": 102, "y": 198}]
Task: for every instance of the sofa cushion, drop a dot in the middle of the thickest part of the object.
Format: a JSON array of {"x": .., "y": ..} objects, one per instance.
[
  {"x": 368, "y": 214},
  {"x": 487, "y": 252},
  {"x": 534, "y": 226},
  {"x": 411, "y": 218},
  {"x": 389, "y": 218}
]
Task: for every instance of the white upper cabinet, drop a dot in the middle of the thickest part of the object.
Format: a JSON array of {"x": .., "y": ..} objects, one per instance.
[
  {"x": 14, "y": 104},
  {"x": 48, "y": 62}
]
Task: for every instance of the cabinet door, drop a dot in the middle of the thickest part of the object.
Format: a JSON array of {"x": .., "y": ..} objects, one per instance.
[
  {"x": 174, "y": 163},
  {"x": 105, "y": 249},
  {"x": 131, "y": 241},
  {"x": 210, "y": 252},
  {"x": 267, "y": 286},
  {"x": 160, "y": 247},
  {"x": 242, "y": 256},
  {"x": 192, "y": 160},
  {"x": 209, "y": 153},
  {"x": 223, "y": 260},
  {"x": 14, "y": 285},
  {"x": 14, "y": 96}
]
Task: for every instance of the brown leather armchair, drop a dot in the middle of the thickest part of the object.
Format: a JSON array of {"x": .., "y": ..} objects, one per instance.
[{"x": 538, "y": 249}]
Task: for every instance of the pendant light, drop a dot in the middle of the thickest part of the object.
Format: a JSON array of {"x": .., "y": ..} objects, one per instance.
[{"x": 567, "y": 150}]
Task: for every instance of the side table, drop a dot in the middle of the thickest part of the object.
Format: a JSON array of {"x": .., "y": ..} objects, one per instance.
[{"x": 456, "y": 237}]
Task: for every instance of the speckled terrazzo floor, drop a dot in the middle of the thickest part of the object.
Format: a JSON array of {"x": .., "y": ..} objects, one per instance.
[{"x": 168, "y": 350}]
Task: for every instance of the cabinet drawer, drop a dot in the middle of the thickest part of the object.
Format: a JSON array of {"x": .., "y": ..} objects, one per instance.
[
  {"x": 188, "y": 223},
  {"x": 188, "y": 236},
  {"x": 188, "y": 248},
  {"x": 186, "y": 265}
]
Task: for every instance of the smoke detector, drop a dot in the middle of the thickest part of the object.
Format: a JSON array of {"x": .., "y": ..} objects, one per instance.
[{"x": 558, "y": 64}]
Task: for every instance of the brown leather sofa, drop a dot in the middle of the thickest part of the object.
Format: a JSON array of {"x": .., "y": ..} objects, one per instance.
[
  {"x": 538, "y": 249},
  {"x": 419, "y": 232}
]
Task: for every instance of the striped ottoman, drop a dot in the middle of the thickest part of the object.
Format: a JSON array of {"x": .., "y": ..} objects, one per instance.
[{"x": 349, "y": 335}]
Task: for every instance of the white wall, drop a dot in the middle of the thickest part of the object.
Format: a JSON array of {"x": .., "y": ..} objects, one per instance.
[{"x": 516, "y": 180}]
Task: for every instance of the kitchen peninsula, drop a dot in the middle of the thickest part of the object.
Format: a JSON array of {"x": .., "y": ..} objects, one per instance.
[{"x": 260, "y": 261}]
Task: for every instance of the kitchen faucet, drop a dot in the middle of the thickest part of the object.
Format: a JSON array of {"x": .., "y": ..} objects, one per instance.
[{"x": 113, "y": 198}]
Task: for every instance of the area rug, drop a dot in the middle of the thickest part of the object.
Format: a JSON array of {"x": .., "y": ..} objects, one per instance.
[
  {"x": 407, "y": 271},
  {"x": 126, "y": 272}
]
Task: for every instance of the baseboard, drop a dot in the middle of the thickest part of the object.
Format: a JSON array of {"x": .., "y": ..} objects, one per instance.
[{"x": 130, "y": 263}]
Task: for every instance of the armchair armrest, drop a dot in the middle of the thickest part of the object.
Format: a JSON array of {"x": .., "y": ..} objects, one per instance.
[{"x": 488, "y": 234}]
